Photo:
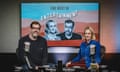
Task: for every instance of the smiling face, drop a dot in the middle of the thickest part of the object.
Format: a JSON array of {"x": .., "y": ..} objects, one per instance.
[{"x": 88, "y": 35}]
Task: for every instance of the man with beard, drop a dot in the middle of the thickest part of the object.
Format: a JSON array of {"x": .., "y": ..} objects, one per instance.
[
  {"x": 32, "y": 48},
  {"x": 68, "y": 33}
]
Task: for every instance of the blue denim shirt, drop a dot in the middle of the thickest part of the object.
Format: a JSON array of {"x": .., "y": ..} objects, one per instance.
[{"x": 84, "y": 52}]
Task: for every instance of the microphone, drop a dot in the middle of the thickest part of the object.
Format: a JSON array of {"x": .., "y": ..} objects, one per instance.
[
  {"x": 92, "y": 53},
  {"x": 92, "y": 49},
  {"x": 27, "y": 46}
]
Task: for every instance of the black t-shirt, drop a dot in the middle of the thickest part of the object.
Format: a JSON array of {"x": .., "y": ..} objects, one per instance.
[
  {"x": 37, "y": 54},
  {"x": 75, "y": 36}
]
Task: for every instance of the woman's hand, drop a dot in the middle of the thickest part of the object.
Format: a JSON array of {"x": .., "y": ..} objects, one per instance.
[
  {"x": 68, "y": 63},
  {"x": 94, "y": 65}
]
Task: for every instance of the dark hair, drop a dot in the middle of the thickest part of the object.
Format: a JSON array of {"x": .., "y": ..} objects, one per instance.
[
  {"x": 47, "y": 24},
  {"x": 70, "y": 21},
  {"x": 35, "y": 23}
]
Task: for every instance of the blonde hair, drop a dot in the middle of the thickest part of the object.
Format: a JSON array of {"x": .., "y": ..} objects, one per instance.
[{"x": 93, "y": 37}]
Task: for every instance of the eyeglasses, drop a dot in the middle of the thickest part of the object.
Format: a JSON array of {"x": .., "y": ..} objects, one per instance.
[{"x": 36, "y": 28}]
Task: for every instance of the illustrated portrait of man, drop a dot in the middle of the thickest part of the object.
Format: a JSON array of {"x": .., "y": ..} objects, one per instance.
[{"x": 68, "y": 33}]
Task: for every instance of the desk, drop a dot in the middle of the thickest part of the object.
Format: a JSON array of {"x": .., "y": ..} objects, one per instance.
[
  {"x": 103, "y": 68},
  {"x": 64, "y": 69}
]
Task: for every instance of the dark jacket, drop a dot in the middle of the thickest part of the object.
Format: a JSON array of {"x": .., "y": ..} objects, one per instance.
[{"x": 37, "y": 54}]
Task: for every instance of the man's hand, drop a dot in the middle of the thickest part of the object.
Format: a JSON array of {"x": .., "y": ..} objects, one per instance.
[{"x": 36, "y": 67}]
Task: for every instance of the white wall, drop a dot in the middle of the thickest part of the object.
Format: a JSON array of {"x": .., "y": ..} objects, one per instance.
[{"x": 9, "y": 25}]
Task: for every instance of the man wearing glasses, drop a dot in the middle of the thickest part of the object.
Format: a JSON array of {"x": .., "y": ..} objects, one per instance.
[{"x": 32, "y": 48}]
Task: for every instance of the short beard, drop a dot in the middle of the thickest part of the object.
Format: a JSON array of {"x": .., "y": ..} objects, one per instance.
[{"x": 35, "y": 37}]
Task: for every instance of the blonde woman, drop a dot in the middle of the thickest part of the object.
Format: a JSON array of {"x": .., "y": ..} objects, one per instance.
[
  {"x": 89, "y": 50},
  {"x": 51, "y": 30}
]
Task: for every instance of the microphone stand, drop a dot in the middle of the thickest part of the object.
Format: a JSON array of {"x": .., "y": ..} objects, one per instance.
[
  {"x": 92, "y": 55},
  {"x": 27, "y": 61},
  {"x": 93, "y": 67},
  {"x": 26, "y": 49},
  {"x": 92, "y": 59}
]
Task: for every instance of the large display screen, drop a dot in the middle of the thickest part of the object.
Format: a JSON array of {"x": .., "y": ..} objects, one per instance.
[{"x": 62, "y": 23}]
